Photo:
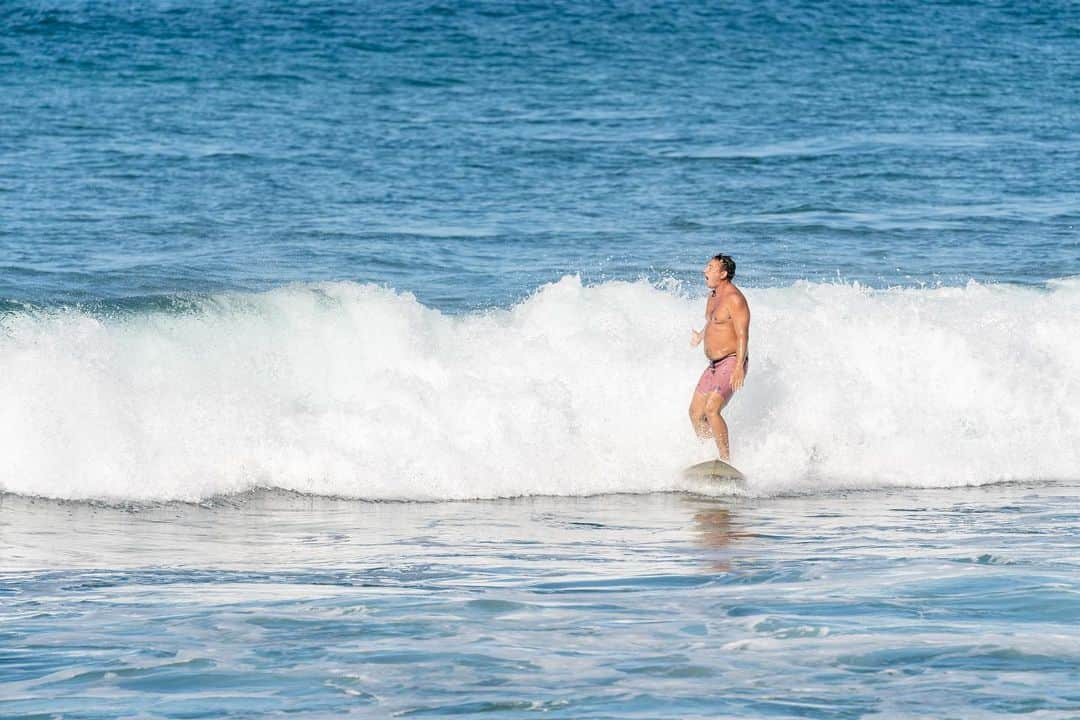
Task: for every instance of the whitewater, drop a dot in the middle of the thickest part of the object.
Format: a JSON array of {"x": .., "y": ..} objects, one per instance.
[{"x": 360, "y": 391}]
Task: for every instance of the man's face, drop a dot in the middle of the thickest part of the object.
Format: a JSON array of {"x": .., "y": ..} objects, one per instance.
[{"x": 714, "y": 273}]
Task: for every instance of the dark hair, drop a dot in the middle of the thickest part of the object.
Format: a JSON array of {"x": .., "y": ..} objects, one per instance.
[{"x": 728, "y": 262}]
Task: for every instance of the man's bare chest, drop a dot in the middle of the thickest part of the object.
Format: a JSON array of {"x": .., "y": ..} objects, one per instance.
[{"x": 715, "y": 313}]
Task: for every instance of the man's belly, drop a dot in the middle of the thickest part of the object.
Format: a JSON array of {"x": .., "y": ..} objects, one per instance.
[{"x": 720, "y": 344}]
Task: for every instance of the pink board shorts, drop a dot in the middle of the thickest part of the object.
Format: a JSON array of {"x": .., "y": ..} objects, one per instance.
[{"x": 717, "y": 377}]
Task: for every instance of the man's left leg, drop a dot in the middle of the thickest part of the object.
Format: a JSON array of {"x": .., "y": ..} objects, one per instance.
[
  {"x": 697, "y": 415},
  {"x": 713, "y": 405}
]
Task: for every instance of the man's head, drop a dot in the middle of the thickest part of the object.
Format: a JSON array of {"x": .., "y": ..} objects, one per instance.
[{"x": 718, "y": 269}]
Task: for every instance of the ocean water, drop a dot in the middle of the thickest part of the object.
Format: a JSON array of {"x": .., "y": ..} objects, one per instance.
[
  {"x": 470, "y": 152},
  {"x": 344, "y": 360},
  {"x": 958, "y": 602}
]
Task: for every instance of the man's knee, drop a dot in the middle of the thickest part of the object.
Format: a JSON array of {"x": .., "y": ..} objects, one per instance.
[{"x": 713, "y": 410}]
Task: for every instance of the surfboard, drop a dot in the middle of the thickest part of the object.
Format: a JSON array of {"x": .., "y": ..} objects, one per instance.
[{"x": 713, "y": 470}]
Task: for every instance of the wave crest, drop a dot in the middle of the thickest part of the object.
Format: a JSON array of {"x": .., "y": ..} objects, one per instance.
[{"x": 359, "y": 391}]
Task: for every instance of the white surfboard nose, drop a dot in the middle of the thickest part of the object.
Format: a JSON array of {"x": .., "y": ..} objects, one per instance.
[{"x": 713, "y": 470}]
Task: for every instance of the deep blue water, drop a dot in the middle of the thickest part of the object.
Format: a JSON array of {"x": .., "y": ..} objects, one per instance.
[{"x": 472, "y": 151}]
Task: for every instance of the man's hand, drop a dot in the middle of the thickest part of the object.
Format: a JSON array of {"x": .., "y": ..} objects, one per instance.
[
  {"x": 738, "y": 375},
  {"x": 695, "y": 338}
]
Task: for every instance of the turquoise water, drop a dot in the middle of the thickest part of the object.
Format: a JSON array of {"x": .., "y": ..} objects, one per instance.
[
  {"x": 344, "y": 362},
  {"x": 931, "y": 603}
]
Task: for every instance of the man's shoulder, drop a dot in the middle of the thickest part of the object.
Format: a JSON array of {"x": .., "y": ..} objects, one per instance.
[{"x": 734, "y": 294}]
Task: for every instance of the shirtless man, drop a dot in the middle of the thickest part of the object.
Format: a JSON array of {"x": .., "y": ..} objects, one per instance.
[{"x": 726, "y": 333}]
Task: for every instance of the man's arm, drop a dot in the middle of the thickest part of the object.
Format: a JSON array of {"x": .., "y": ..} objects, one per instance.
[
  {"x": 740, "y": 321},
  {"x": 697, "y": 335}
]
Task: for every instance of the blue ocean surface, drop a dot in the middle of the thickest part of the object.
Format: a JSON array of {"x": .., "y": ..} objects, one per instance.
[
  {"x": 344, "y": 359},
  {"x": 931, "y": 603},
  {"x": 469, "y": 152}
]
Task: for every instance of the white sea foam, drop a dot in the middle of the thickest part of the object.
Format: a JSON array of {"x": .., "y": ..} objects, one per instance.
[{"x": 359, "y": 391}]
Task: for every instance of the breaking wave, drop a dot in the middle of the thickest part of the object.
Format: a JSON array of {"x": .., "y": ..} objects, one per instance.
[{"x": 360, "y": 391}]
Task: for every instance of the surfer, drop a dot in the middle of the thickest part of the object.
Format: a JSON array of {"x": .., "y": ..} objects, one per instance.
[{"x": 726, "y": 334}]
